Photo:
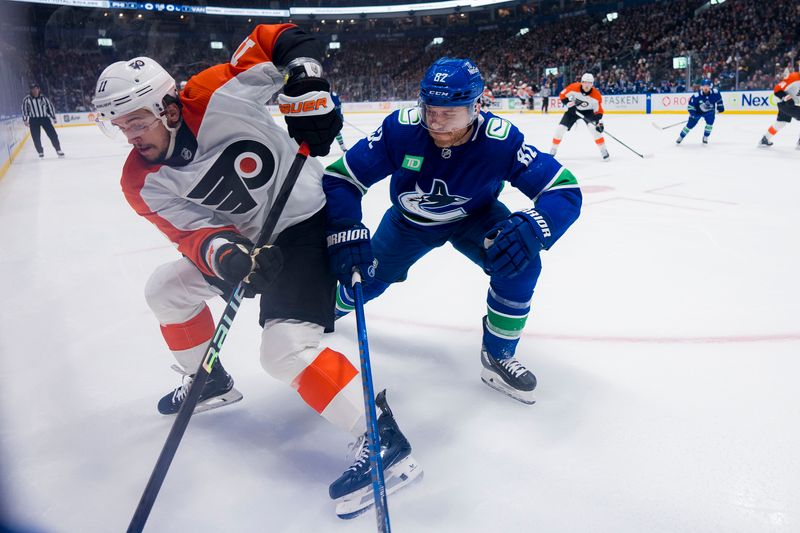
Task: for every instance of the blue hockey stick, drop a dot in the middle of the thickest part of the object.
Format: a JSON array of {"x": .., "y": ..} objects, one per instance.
[{"x": 373, "y": 438}]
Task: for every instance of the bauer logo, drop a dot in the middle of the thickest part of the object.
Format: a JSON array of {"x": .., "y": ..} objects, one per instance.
[{"x": 412, "y": 162}]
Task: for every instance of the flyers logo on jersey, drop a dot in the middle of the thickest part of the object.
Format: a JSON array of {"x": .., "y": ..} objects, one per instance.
[
  {"x": 296, "y": 108},
  {"x": 242, "y": 167}
]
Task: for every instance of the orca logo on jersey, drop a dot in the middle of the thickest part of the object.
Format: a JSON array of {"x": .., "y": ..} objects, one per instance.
[
  {"x": 242, "y": 167},
  {"x": 437, "y": 206}
]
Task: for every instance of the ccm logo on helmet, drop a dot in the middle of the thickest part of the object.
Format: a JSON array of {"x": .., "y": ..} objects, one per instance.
[{"x": 303, "y": 107}]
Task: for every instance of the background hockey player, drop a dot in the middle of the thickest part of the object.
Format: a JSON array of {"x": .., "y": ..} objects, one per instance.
[
  {"x": 583, "y": 102},
  {"x": 487, "y": 98},
  {"x": 704, "y": 104},
  {"x": 337, "y": 104},
  {"x": 448, "y": 161},
  {"x": 788, "y": 92},
  {"x": 205, "y": 169}
]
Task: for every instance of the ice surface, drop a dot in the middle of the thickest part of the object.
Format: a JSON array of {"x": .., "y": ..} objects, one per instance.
[{"x": 664, "y": 333}]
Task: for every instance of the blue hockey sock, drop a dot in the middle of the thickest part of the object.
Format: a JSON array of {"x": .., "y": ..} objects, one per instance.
[
  {"x": 709, "y": 127},
  {"x": 345, "y": 302},
  {"x": 503, "y": 325},
  {"x": 684, "y": 132}
]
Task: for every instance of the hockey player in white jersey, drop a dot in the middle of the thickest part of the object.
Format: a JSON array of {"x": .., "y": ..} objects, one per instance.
[{"x": 205, "y": 169}]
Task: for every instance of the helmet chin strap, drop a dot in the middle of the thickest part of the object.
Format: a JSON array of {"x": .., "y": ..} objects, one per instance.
[{"x": 173, "y": 133}]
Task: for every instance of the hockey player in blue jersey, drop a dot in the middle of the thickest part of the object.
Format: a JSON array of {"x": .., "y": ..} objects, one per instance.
[
  {"x": 337, "y": 105},
  {"x": 448, "y": 161},
  {"x": 704, "y": 104}
]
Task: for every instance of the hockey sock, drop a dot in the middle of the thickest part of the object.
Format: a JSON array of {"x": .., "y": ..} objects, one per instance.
[
  {"x": 709, "y": 127},
  {"x": 324, "y": 378},
  {"x": 188, "y": 340},
  {"x": 559, "y": 134},
  {"x": 684, "y": 132},
  {"x": 328, "y": 387},
  {"x": 345, "y": 303},
  {"x": 505, "y": 321},
  {"x": 774, "y": 129},
  {"x": 340, "y": 140}
]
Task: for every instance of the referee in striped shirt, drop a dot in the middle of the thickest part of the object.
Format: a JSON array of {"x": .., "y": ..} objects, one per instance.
[{"x": 37, "y": 111}]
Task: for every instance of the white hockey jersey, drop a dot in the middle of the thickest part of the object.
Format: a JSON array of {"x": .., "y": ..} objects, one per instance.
[{"x": 230, "y": 180}]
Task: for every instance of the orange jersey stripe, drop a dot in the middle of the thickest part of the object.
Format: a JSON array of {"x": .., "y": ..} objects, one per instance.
[
  {"x": 791, "y": 78},
  {"x": 189, "y": 242},
  {"x": 322, "y": 380},
  {"x": 193, "y": 332}
]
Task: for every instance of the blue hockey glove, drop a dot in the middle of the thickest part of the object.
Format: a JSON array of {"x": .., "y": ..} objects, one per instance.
[
  {"x": 512, "y": 244},
  {"x": 349, "y": 249}
]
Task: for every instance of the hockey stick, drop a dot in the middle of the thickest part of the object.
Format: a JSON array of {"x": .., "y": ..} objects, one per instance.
[
  {"x": 620, "y": 142},
  {"x": 212, "y": 353},
  {"x": 625, "y": 145},
  {"x": 656, "y": 126},
  {"x": 373, "y": 438},
  {"x": 359, "y": 130}
]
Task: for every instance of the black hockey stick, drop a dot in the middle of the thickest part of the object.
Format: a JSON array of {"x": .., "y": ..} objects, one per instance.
[
  {"x": 212, "y": 353},
  {"x": 656, "y": 126},
  {"x": 359, "y": 130},
  {"x": 620, "y": 142}
]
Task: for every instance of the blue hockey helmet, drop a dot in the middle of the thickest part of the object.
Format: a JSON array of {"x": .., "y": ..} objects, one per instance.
[
  {"x": 450, "y": 82},
  {"x": 705, "y": 82}
]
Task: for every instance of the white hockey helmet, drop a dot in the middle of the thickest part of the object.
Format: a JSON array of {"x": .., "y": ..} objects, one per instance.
[
  {"x": 126, "y": 86},
  {"x": 587, "y": 78}
]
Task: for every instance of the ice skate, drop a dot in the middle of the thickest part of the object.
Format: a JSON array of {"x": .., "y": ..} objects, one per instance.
[
  {"x": 352, "y": 491},
  {"x": 764, "y": 142},
  {"x": 507, "y": 375},
  {"x": 705, "y": 140},
  {"x": 218, "y": 392},
  {"x": 679, "y": 140}
]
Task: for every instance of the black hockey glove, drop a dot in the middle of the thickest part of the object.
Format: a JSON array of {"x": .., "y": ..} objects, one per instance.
[
  {"x": 241, "y": 261},
  {"x": 513, "y": 244},
  {"x": 308, "y": 108},
  {"x": 349, "y": 249},
  {"x": 599, "y": 127}
]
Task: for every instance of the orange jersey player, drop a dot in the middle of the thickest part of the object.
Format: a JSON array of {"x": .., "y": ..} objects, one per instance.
[
  {"x": 583, "y": 102},
  {"x": 205, "y": 169},
  {"x": 788, "y": 91}
]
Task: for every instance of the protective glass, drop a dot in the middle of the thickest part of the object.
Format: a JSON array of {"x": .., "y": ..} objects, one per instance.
[{"x": 446, "y": 119}]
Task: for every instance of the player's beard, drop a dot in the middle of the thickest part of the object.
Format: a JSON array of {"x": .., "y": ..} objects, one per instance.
[
  {"x": 449, "y": 138},
  {"x": 151, "y": 153}
]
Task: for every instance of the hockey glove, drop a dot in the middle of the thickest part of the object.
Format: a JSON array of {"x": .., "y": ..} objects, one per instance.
[
  {"x": 349, "y": 249},
  {"x": 599, "y": 127},
  {"x": 513, "y": 244},
  {"x": 308, "y": 108},
  {"x": 236, "y": 260}
]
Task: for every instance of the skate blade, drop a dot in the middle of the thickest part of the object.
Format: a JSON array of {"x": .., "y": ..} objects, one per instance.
[
  {"x": 498, "y": 384},
  {"x": 400, "y": 474},
  {"x": 232, "y": 396}
]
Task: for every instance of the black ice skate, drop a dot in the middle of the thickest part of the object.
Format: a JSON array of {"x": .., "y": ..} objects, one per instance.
[
  {"x": 352, "y": 492},
  {"x": 508, "y": 375},
  {"x": 705, "y": 140},
  {"x": 218, "y": 392},
  {"x": 764, "y": 142}
]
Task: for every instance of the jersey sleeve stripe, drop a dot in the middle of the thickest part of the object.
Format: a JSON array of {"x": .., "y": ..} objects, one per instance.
[{"x": 189, "y": 242}]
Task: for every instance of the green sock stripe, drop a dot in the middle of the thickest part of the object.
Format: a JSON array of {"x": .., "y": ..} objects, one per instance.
[
  {"x": 343, "y": 305},
  {"x": 504, "y": 325}
]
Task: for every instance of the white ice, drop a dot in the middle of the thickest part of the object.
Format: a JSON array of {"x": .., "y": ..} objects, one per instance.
[{"x": 664, "y": 334}]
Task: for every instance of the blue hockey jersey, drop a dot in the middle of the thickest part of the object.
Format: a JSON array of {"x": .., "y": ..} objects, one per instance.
[
  {"x": 434, "y": 186},
  {"x": 700, "y": 104}
]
